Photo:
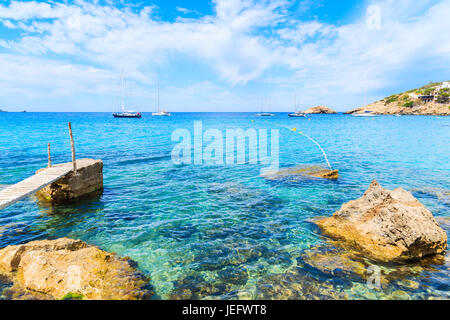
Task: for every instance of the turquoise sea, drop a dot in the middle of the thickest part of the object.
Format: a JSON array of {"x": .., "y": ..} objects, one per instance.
[{"x": 224, "y": 232}]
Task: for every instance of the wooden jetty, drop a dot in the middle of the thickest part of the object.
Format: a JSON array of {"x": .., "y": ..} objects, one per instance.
[
  {"x": 78, "y": 183},
  {"x": 32, "y": 184}
]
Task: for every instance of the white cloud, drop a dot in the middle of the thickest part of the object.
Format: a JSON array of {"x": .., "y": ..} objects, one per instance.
[
  {"x": 306, "y": 31},
  {"x": 124, "y": 39},
  {"x": 47, "y": 77},
  {"x": 187, "y": 11},
  {"x": 346, "y": 60},
  {"x": 243, "y": 41}
]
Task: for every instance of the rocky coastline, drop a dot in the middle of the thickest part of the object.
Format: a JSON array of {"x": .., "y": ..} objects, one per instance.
[
  {"x": 431, "y": 99},
  {"x": 419, "y": 108}
]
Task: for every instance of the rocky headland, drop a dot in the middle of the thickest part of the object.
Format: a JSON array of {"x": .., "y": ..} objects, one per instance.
[
  {"x": 320, "y": 110},
  {"x": 69, "y": 269},
  {"x": 390, "y": 226},
  {"x": 432, "y": 99}
]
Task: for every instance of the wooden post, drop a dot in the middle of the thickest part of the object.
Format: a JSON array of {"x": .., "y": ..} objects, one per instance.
[
  {"x": 73, "y": 150},
  {"x": 49, "y": 156}
]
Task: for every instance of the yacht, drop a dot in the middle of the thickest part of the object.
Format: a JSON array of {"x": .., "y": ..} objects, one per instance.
[
  {"x": 297, "y": 113},
  {"x": 161, "y": 113},
  {"x": 126, "y": 113},
  {"x": 265, "y": 114},
  {"x": 365, "y": 114}
]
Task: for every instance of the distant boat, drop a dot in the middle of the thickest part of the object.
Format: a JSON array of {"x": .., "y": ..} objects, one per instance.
[
  {"x": 264, "y": 114},
  {"x": 296, "y": 114},
  {"x": 365, "y": 114},
  {"x": 126, "y": 113},
  {"x": 160, "y": 113}
]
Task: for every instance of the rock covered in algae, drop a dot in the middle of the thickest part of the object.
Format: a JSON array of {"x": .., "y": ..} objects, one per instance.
[
  {"x": 54, "y": 269},
  {"x": 300, "y": 171},
  {"x": 326, "y": 174},
  {"x": 387, "y": 225}
]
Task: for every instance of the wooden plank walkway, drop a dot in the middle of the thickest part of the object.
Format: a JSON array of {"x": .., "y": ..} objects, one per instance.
[{"x": 20, "y": 190}]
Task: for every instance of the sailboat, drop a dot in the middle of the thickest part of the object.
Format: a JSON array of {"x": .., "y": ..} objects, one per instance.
[
  {"x": 126, "y": 113},
  {"x": 296, "y": 114},
  {"x": 366, "y": 113},
  {"x": 264, "y": 114},
  {"x": 161, "y": 113}
]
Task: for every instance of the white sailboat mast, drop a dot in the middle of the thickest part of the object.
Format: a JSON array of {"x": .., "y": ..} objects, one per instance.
[
  {"x": 123, "y": 94},
  {"x": 365, "y": 96},
  {"x": 158, "y": 97},
  {"x": 295, "y": 102}
]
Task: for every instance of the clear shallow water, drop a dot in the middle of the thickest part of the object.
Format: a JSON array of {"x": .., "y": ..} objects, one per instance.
[{"x": 223, "y": 231}]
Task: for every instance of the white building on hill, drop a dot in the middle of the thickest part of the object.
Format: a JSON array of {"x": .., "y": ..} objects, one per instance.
[{"x": 445, "y": 84}]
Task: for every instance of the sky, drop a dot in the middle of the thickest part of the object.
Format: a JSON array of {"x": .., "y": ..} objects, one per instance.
[{"x": 218, "y": 55}]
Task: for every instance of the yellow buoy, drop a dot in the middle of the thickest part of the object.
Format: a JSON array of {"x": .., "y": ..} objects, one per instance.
[{"x": 295, "y": 129}]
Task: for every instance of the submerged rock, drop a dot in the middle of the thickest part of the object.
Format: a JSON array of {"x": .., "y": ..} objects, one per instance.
[
  {"x": 334, "y": 263},
  {"x": 387, "y": 225},
  {"x": 237, "y": 275},
  {"x": 299, "y": 171},
  {"x": 57, "y": 268},
  {"x": 298, "y": 285},
  {"x": 195, "y": 287},
  {"x": 326, "y": 174}
]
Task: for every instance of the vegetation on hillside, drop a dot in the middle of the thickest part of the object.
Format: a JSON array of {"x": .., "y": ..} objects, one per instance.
[
  {"x": 444, "y": 95},
  {"x": 404, "y": 99}
]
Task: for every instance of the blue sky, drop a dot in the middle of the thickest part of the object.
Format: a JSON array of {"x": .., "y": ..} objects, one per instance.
[{"x": 219, "y": 55}]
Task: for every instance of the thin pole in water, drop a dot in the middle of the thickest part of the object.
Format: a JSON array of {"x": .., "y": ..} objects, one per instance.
[
  {"x": 73, "y": 150},
  {"x": 49, "y": 156}
]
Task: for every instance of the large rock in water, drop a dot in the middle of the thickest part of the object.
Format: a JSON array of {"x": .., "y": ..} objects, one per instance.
[
  {"x": 387, "y": 225},
  {"x": 57, "y": 268},
  {"x": 320, "y": 110}
]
